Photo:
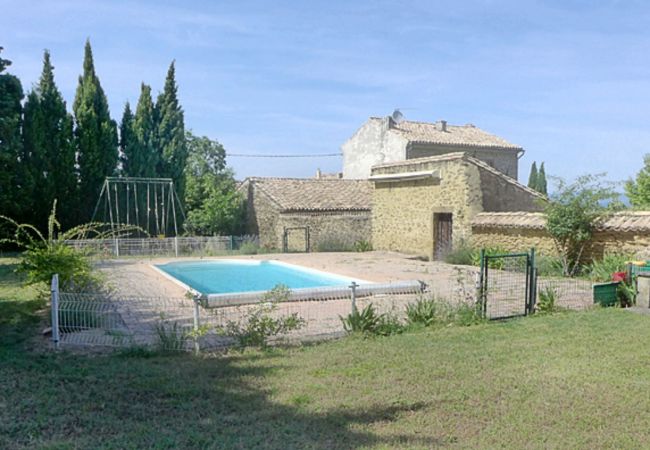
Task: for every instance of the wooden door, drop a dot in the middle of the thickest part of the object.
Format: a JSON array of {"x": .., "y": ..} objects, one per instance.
[{"x": 442, "y": 235}]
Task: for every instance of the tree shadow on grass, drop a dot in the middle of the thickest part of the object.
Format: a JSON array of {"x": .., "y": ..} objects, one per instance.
[{"x": 175, "y": 402}]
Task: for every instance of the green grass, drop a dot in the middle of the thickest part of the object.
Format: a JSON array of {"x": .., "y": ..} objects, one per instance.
[{"x": 556, "y": 381}]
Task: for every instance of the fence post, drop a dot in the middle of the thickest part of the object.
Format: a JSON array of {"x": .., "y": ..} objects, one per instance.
[
  {"x": 197, "y": 325},
  {"x": 176, "y": 246},
  {"x": 117, "y": 247},
  {"x": 353, "y": 295},
  {"x": 55, "y": 310}
]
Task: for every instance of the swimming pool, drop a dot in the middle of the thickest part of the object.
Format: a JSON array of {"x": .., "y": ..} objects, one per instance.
[{"x": 235, "y": 276}]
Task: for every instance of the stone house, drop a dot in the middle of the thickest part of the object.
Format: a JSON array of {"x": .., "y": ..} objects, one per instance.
[
  {"x": 295, "y": 214},
  {"x": 424, "y": 206},
  {"x": 384, "y": 140}
]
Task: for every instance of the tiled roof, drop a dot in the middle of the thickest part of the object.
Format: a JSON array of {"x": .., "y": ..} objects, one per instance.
[
  {"x": 464, "y": 156},
  {"x": 627, "y": 221},
  {"x": 463, "y": 135},
  {"x": 309, "y": 194}
]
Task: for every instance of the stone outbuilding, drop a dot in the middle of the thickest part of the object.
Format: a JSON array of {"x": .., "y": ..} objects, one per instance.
[
  {"x": 385, "y": 140},
  {"x": 424, "y": 206},
  {"x": 298, "y": 214}
]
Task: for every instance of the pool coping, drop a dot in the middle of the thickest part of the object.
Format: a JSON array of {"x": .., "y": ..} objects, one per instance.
[{"x": 257, "y": 262}]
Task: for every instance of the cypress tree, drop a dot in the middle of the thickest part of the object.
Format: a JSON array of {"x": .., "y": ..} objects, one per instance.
[
  {"x": 50, "y": 150},
  {"x": 144, "y": 157},
  {"x": 96, "y": 136},
  {"x": 171, "y": 133},
  {"x": 532, "y": 178},
  {"x": 542, "y": 185},
  {"x": 127, "y": 140},
  {"x": 11, "y": 181}
]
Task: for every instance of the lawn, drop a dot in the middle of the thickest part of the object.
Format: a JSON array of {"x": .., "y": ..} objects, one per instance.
[{"x": 568, "y": 380}]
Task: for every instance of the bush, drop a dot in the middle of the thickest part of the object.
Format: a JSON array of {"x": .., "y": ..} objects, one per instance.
[
  {"x": 249, "y": 248},
  {"x": 425, "y": 311},
  {"x": 467, "y": 314},
  {"x": 546, "y": 301},
  {"x": 625, "y": 294},
  {"x": 362, "y": 246},
  {"x": 548, "y": 266},
  {"x": 497, "y": 264},
  {"x": 462, "y": 254},
  {"x": 40, "y": 262},
  {"x": 602, "y": 270},
  {"x": 369, "y": 322},
  {"x": 170, "y": 336},
  {"x": 260, "y": 325}
]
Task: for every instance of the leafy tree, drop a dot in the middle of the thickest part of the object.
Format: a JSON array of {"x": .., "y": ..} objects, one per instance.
[
  {"x": 638, "y": 190},
  {"x": 542, "y": 184},
  {"x": 96, "y": 135},
  {"x": 142, "y": 156},
  {"x": 532, "y": 178},
  {"x": 171, "y": 133},
  {"x": 573, "y": 212},
  {"x": 49, "y": 149},
  {"x": 213, "y": 204},
  {"x": 11, "y": 181}
]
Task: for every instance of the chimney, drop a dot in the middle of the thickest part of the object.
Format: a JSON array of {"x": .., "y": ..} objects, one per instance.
[{"x": 441, "y": 125}]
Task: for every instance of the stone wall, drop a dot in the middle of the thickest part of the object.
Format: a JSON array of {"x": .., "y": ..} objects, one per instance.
[
  {"x": 326, "y": 229},
  {"x": 500, "y": 195},
  {"x": 402, "y": 213},
  {"x": 517, "y": 239},
  {"x": 261, "y": 216}
]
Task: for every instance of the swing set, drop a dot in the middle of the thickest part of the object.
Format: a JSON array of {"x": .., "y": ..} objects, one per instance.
[{"x": 148, "y": 203}]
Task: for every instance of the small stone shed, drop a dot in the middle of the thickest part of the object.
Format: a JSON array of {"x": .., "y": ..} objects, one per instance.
[
  {"x": 424, "y": 206},
  {"x": 298, "y": 214},
  {"x": 626, "y": 232},
  {"x": 383, "y": 140}
]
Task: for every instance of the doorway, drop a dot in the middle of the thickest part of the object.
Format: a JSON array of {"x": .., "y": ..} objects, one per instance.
[{"x": 442, "y": 235}]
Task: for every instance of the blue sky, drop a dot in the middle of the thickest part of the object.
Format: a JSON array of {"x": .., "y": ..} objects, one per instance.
[{"x": 567, "y": 80}]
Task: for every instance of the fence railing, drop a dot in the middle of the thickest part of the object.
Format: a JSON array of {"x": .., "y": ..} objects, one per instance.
[
  {"x": 169, "y": 246},
  {"x": 106, "y": 320}
]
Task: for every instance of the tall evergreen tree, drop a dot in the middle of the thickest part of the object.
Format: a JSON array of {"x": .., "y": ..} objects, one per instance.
[
  {"x": 144, "y": 158},
  {"x": 171, "y": 133},
  {"x": 542, "y": 185},
  {"x": 127, "y": 140},
  {"x": 532, "y": 178},
  {"x": 96, "y": 136},
  {"x": 11, "y": 181},
  {"x": 49, "y": 150}
]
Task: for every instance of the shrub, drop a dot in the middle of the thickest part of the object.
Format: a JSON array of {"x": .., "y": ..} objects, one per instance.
[
  {"x": 369, "y": 322},
  {"x": 462, "y": 253},
  {"x": 546, "y": 301},
  {"x": 260, "y": 325},
  {"x": 249, "y": 248},
  {"x": 497, "y": 264},
  {"x": 466, "y": 314},
  {"x": 602, "y": 270},
  {"x": 548, "y": 266},
  {"x": 170, "y": 336},
  {"x": 362, "y": 246},
  {"x": 425, "y": 311},
  {"x": 625, "y": 294}
]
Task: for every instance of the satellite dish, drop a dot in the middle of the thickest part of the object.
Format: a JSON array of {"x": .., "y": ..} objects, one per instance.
[{"x": 397, "y": 116}]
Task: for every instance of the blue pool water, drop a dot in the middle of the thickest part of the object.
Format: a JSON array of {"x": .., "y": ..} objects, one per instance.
[{"x": 227, "y": 276}]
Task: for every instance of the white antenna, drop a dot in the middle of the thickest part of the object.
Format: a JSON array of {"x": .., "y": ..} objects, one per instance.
[{"x": 397, "y": 116}]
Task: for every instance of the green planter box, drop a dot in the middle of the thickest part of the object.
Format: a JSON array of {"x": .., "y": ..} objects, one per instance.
[{"x": 605, "y": 293}]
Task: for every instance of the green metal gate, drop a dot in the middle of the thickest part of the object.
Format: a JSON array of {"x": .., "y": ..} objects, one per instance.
[{"x": 507, "y": 284}]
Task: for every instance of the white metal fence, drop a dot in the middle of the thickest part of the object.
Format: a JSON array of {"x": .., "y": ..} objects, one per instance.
[
  {"x": 105, "y": 320},
  {"x": 171, "y": 246}
]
